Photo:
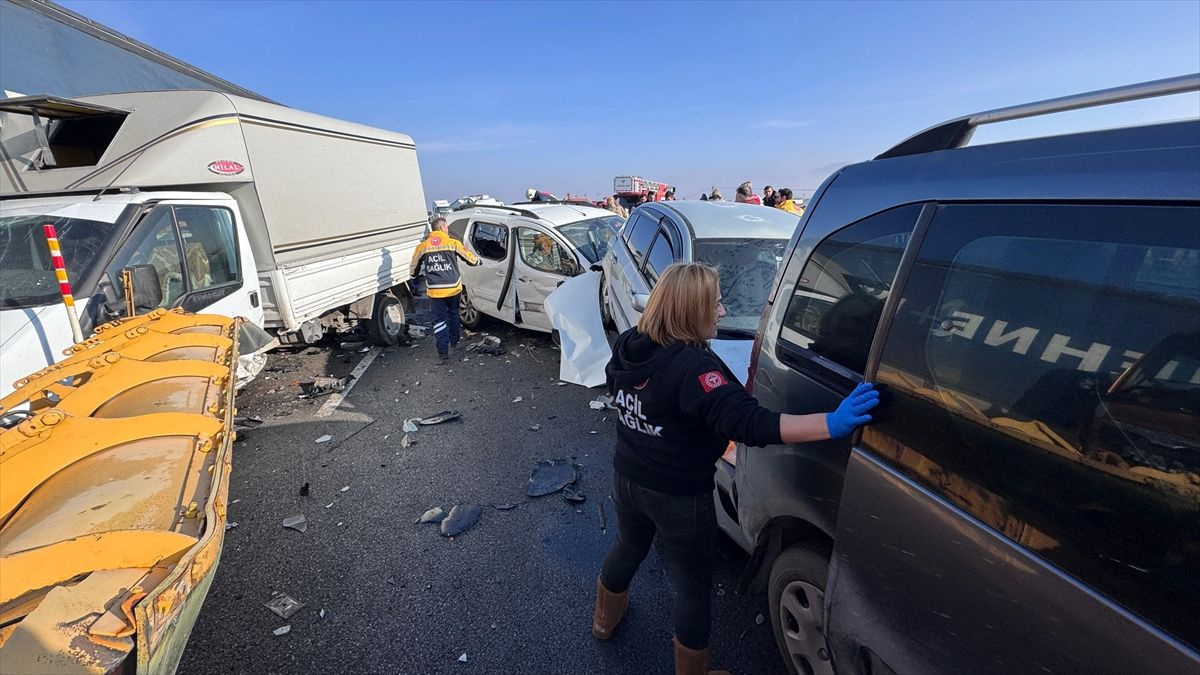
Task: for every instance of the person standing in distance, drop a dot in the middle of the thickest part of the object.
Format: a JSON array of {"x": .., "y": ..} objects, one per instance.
[
  {"x": 677, "y": 407},
  {"x": 437, "y": 259}
]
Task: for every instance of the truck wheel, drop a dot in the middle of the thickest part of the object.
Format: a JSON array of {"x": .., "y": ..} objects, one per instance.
[
  {"x": 796, "y": 593},
  {"x": 468, "y": 314},
  {"x": 387, "y": 321}
]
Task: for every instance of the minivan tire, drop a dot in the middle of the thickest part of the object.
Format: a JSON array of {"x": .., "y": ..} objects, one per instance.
[
  {"x": 468, "y": 314},
  {"x": 606, "y": 319},
  {"x": 386, "y": 325},
  {"x": 796, "y": 593}
]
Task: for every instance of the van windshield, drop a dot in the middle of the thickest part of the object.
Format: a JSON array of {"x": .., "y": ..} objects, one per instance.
[
  {"x": 26, "y": 275},
  {"x": 747, "y": 269}
]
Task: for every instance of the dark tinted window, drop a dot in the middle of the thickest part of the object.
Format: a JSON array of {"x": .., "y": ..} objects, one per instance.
[
  {"x": 490, "y": 241},
  {"x": 1045, "y": 366},
  {"x": 660, "y": 258},
  {"x": 840, "y": 294},
  {"x": 639, "y": 233}
]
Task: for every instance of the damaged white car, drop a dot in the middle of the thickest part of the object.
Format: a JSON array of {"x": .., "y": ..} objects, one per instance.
[
  {"x": 745, "y": 242},
  {"x": 527, "y": 250}
]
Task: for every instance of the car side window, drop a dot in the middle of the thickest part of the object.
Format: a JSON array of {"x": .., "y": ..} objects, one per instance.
[
  {"x": 838, "y": 299},
  {"x": 458, "y": 228},
  {"x": 1044, "y": 366},
  {"x": 640, "y": 232},
  {"x": 209, "y": 244},
  {"x": 154, "y": 242},
  {"x": 490, "y": 240},
  {"x": 661, "y": 256},
  {"x": 540, "y": 252}
]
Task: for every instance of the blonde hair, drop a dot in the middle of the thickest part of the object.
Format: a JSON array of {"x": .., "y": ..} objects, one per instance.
[{"x": 682, "y": 306}]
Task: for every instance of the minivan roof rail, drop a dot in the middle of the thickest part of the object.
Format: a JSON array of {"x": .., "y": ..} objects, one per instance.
[
  {"x": 957, "y": 132},
  {"x": 502, "y": 207}
]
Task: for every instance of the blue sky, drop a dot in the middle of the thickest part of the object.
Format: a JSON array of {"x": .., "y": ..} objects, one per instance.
[{"x": 564, "y": 96}]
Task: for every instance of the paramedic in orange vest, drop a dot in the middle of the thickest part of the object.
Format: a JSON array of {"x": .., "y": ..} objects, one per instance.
[{"x": 437, "y": 259}]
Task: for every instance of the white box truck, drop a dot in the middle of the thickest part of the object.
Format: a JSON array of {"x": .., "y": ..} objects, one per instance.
[{"x": 214, "y": 203}]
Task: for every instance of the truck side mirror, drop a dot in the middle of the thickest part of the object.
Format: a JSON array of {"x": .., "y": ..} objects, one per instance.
[{"x": 147, "y": 288}]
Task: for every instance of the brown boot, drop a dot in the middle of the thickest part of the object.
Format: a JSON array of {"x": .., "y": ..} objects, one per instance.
[
  {"x": 610, "y": 608},
  {"x": 693, "y": 661}
]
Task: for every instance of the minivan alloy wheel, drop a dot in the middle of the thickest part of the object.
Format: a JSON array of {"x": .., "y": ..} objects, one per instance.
[
  {"x": 800, "y": 613},
  {"x": 466, "y": 311}
]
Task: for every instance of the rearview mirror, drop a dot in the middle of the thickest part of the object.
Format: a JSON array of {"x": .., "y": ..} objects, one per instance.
[
  {"x": 147, "y": 288},
  {"x": 639, "y": 301}
]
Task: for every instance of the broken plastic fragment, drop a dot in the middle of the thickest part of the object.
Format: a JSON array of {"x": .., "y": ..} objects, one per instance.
[
  {"x": 463, "y": 658},
  {"x": 249, "y": 422},
  {"x": 345, "y": 488},
  {"x": 298, "y": 523},
  {"x": 325, "y": 439},
  {"x": 573, "y": 495},
  {"x": 230, "y": 526},
  {"x": 284, "y": 605},
  {"x": 535, "y": 427},
  {"x": 518, "y": 399},
  {"x": 462, "y": 518},
  {"x": 438, "y": 418},
  {"x": 283, "y": 630},
  {"x": 409, "y": 427},
  {"x": 433, "y": 516},
  {"x": 321, "y": 614},
  {"x": 504, "y": 506},
  {"x": 406, "y": 442},
  {"x": 549, "y": 476},
  {"x": 320, "y": 386}
]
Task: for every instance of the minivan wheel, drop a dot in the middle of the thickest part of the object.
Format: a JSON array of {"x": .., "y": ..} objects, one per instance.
[
  {"x": 797, "y": 597},
  {"x": 387, "y": 320},
  {"x": 605, "y": 314},
  {"x": 468, "y": 315}
]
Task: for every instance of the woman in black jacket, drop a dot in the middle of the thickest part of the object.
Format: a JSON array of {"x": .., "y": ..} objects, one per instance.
[{"x": 678, "y": 407}]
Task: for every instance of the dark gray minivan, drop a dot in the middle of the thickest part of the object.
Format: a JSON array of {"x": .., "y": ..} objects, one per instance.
[{"x": 1028, "y": 500}]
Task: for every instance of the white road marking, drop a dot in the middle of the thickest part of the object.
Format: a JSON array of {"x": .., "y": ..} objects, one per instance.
[{"x": 335, "y": 399}]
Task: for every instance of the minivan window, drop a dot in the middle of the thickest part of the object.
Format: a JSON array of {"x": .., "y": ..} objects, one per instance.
[
  {"x": 1044, "y": 363},
  {"x": 639, "y": 232},
  {"x": 490, "y": 241},
  {"x": 660, "y": 258},
  {"x": 839, "y": 297}
]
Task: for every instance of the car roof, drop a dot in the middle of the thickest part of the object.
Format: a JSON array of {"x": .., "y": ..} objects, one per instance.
[
  {"x": 554, "y": 214},
  {"x": 720, "y": 220}
]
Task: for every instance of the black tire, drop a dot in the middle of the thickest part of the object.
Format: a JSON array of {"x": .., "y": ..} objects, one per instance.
[
  {"x": 796, "y": 593},
  {"x": 386, "y": 325},
  {"x": 605, "y": 314},
  {"x": 468, "y": 314}
]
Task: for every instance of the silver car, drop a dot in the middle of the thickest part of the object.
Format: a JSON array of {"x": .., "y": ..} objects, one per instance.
[{"x": 745, "y": 242}]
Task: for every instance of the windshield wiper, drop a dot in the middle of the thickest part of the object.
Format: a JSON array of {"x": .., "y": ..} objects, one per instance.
[{"x": 735, "y": 333}]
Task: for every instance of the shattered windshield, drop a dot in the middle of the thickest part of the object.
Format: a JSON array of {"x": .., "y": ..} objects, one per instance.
[
  {"x": 26, "y": 275},
  {"x": 747, "y": 268},
  {"x": 592, "y": 237}
]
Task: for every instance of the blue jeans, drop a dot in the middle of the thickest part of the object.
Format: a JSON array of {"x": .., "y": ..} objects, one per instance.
[
  {"x": 445, "y": 323},
  {"x": 686, "y": 528}
]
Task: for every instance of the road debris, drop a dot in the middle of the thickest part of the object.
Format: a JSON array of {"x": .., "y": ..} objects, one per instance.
[
  {"x": 321, "y": 614},
  {"x": 535, "y": 427},
  {"x": 603, "y": 522},
  {"x": 463, "y": 658},
  {"x": 345, "y": 488},
  {"x": 248, "y": 422},
  {"x": 284, "y": 605},
  {"x": 433, "y": 516},
  {"x": 462, "y": 518},
  {"x": 504, "y": 506},
  {"x": 303, "y": 493},
  {"x": 490, "y": 344},
  {"x": 352, "y": 345},
  {"x": 282, "y": 630},
  {"x": 298, "y": 523},
  {"x": 406, "y": 442},
  {"x": 549, "y": 476},
  {"x": 230, "y": 526},
  {"x": 283, "y": 413},
  {"x": 518, "y": 399},
  {"x": 416, "y": 331},
  {"x": 573, "y": 495},
  {"x": 602, "y": 401},
  {"x": 324, "y": 439},
  {"x": 438, "y": 418},
  {"x": 410, "y": 427},
  {"x": 758, "y": 620},
  {"x": 321, "y": 386}
]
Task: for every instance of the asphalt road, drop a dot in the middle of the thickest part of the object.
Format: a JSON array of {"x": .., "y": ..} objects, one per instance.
[{"x": 515, "y": 594}]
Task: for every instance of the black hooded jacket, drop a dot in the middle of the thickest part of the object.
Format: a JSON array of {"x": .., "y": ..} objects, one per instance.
[{"x": 677, "y": 409}]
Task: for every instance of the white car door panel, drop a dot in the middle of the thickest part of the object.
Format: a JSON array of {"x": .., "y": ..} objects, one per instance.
[{"x": 543, "y": 261}]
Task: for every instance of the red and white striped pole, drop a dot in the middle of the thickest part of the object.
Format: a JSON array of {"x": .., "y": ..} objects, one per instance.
[{"x": 64, "y": 284}]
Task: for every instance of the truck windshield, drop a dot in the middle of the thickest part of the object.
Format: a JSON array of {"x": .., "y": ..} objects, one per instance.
[
  {"x": 591, "y": 237},
  {"x": 747, "y": 268},
  {"x": 26, "y": 275}
]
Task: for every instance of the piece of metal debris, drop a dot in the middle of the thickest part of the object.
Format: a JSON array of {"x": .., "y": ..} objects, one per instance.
[
  {"x": 345, "y": 488},
  {"x": 438, "y": 418},
  {"x": 298, "y": 523},
  {"x": 303, "y": 493},
  {"x": 284, "y": 605},
  {"x": 549, "y": 476},
  {"x": 573, "y": 495},
  {"x": 603, "y": 522},
  {"x": 230, "y": 526},
  {"x": 324, "y": 439},
  {"x": 490, "y": 344},
  {"x": 518, "y": 399},
  {"x": 248, "y": 422},
  {"x": 433, "y": 516},
  {"x": 352, "y": 345},
  {"x": 462, "y": 518},
  {"x": 282, "y": 630},
  {"x": 504, "y": 506},
  {"x": 321, "y": 386}
]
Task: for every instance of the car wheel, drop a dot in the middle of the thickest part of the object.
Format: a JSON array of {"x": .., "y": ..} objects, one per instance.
[
  {"x": 797, "y": 597},
  {"x": 387, "y": 320},
  {"x": 468, "y": 314},
  {"x": 605, "y": 313}
]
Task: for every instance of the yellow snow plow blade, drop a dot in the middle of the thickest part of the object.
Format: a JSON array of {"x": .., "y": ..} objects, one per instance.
[{"x": 114, "y": 468}]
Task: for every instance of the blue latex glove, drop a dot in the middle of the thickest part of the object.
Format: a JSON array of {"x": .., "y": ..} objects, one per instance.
[{"x": 852, "y": 411}]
